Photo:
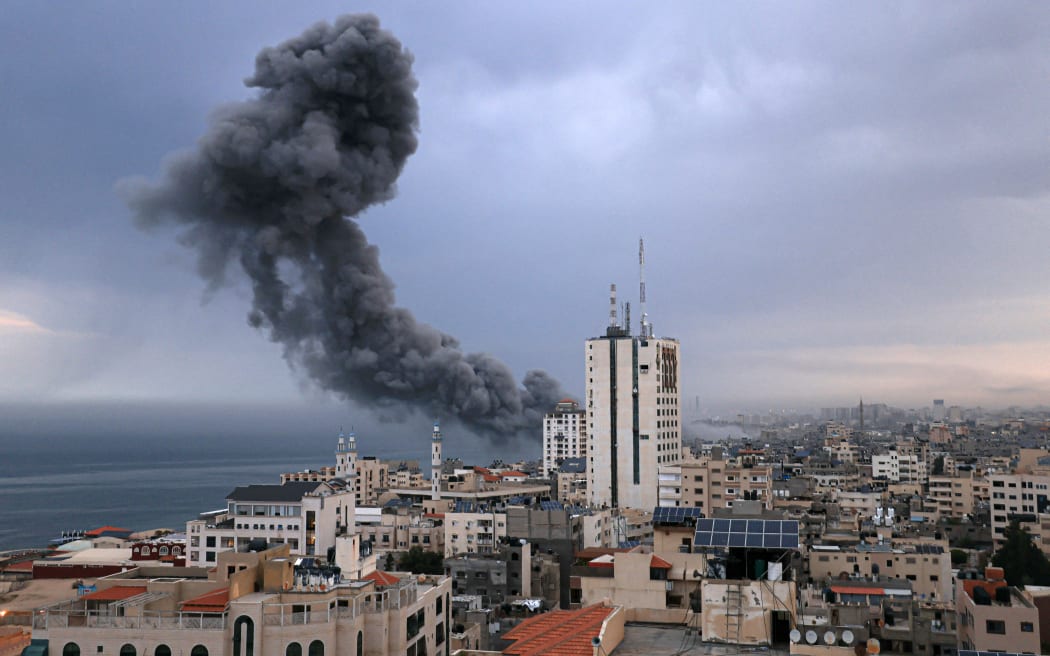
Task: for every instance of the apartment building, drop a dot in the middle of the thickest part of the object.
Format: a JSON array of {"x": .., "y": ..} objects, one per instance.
[
  {"x": 713, "y": 482},
  {"x": 371, "y": 480},
  {"x": 498, "y": 577},
  {"x": 247, "y": 603},
  {"x": 925, "y": 564},
  {"x": 399, "y": 527},
  {"x": 571, "y": 481},
  {"x": 952, "y": 496},
  {"x": 1024, "y": 498},
  {"x": 994, "y": 616},
  {"x": 564, "y": 435},
  {"x": 307, "y": 516},
  {"x": 906, "y": 462},
  {"x": 473, "y": 532}
]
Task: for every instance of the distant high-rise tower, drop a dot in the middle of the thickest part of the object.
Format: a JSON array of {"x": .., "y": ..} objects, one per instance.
[
  {"x": 633, "y": 422},
  {"x": 862, "y": 415},
  {"x": 435, "y": 462},
  {"x": 938, "y": 410},
  {"x": 564, "y": 434}
]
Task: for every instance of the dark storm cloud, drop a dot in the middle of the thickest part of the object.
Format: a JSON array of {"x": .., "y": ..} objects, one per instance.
[{"x": 270, "y": 187}]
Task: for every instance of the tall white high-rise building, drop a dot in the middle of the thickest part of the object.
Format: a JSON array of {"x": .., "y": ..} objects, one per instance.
[
  {"x": 564, "y": 434},
  {"x": 633, "y": 421}
]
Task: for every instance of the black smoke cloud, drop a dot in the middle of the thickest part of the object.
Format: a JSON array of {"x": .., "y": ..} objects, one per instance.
[{"x": 272, "y": 187}]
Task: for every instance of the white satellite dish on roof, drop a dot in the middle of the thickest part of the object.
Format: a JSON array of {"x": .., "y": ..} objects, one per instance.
[
  {"x": 829, "y": 638},
  {"x": 811, "y": 637},
  {"x": 795, "y": 635},
  {"x": 848, "y": 637}
]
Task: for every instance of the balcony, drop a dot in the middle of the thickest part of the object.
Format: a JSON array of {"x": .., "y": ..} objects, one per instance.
[{"x": 75, "y": 617}]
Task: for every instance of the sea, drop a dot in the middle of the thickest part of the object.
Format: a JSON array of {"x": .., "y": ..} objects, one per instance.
[
  {"x": 48, "y": 486},
  {"x": 55, "y": 482}
]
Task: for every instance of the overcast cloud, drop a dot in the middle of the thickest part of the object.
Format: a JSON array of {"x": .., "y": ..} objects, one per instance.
[{"x": 837, "y": 200}]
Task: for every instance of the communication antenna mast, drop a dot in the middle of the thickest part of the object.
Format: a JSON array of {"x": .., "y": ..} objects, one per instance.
[
  {"x": 647, "y": 329},
  {"x": 612, "y": 306}
]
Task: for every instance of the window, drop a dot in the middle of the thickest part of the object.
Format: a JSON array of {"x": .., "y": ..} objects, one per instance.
[
  {"x": 1027, "y": 627},
  {"x": 127, "y": 650},
  {"x": 209, "y": 541},
  {"x": 71, "y": 649},
  {"x": 162, "y": 650},
  {"x": 293, "y": 649},
  {"x": 199, "y": 650},
  {"x": 316, "y": 648},
  {"x": 998, "y": 627}
]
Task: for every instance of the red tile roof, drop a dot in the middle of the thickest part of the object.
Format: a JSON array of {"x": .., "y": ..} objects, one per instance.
[
  {"x": 659, "y": 563},
  {"x": 382, "y": 578},
  {"x": 559, "y": 633},
  {"x": 106, "y": 529},
  {"x": 209, "y": 602},
  {"x": 515, "y": 474},
  {"x": 24, "y": 566},
  {"x": 116, "y": 593}
]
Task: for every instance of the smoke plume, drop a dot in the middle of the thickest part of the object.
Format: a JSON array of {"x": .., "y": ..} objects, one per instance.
[{"x": 272, "y": 186}]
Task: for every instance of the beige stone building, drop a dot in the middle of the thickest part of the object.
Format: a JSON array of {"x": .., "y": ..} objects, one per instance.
[
  {"x": 571, "y": 481},
  {"x": 952, "y": 496},
  {"x": 996, "y": 617},
  {"x": 632, "y": 401},
  {"x": 926, "y": 564},
  {"x": 399, "y": 528},
  {"x": 250, "y": 604},
  {"x": 371, "y": 480},
  {"x": 713, "y": 482},
  {"x": 1024, "y": 497},
  {"x": 473, "y": 532},
  {"x": 307, "y": 516},
  {"x": 564, "y": 435}
]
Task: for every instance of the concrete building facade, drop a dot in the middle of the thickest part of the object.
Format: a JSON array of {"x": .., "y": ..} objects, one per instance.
[
  {"x": 564, "y": 435},
  {"x": 633, "y": 422}
]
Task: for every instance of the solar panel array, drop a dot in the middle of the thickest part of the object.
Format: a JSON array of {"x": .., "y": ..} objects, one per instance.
[
  {"x": 551, "y": 505},
  {"x": 629, "y": 544},
  {"x": 967, "y": 652},
  {"x": 675, "y": 515},
  {"x": 929, "y": 549},
  {"x": 747, "y": 533}
]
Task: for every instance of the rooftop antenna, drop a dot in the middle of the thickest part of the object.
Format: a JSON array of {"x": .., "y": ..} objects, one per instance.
[
  {"x": 612, "y": 306},
  {"x": 646, "y": 328}
]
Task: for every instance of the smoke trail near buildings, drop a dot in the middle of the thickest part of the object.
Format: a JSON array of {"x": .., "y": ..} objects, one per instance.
[{"x": 272, "y": 185}]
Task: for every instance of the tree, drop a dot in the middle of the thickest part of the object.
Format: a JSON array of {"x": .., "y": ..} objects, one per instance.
[
  {"x": 1023, "y": 562},
  {"x": 389, "y": 566},
  {"x": 417, "y": 561}
]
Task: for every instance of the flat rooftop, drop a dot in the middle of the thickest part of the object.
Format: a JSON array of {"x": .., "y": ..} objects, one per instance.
[{"x": 668, "y": 640}]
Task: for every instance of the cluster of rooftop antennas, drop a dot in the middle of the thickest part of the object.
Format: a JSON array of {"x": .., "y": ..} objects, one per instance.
[{"x": 646, "y": 328}]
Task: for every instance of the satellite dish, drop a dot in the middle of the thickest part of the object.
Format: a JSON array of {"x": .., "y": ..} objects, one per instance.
[
  {"x": 848, "y": 637},
  {"x": 596, "y": 641},
  {"x": 873, "y": 646},
  {"x": 795, "y": 635},
  {"x": 811, "y": 637},
  {"x": 829, "y": 638}
]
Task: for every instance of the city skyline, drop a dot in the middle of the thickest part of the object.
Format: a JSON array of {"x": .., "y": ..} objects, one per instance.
[{"x": 825, "y": 217}]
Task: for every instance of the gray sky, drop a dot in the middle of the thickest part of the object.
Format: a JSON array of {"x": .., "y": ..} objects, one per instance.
[{"x": 837, "y": 200}]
